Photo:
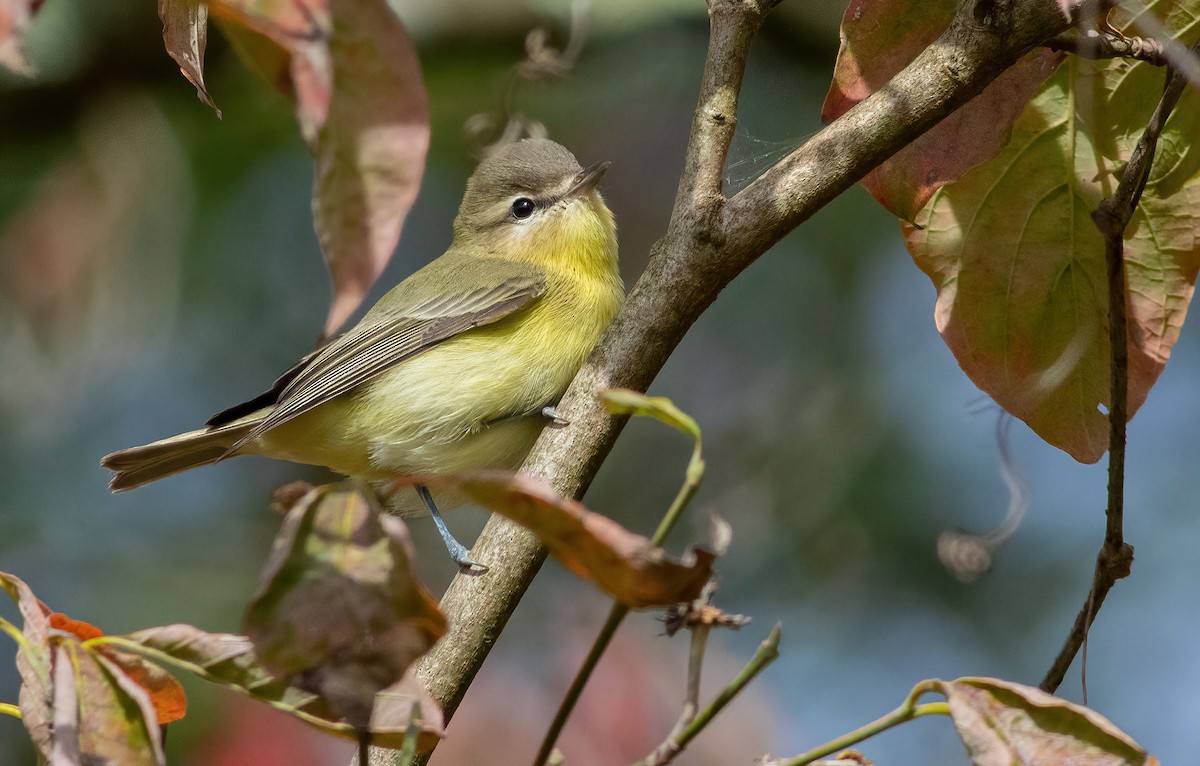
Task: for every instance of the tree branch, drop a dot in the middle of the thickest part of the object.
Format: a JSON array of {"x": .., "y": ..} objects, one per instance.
[
  {"x": 708, "y": 243},
  {"x": 1112, "y": 216},
  {"x": 1105, "y": 45}
]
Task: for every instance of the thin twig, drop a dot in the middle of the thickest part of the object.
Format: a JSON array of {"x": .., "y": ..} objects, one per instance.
[
  {"x": 1092, "y": 44},
  {"x": 616, "y": 615},
  {"x": 767, "y": 652},
  {"x": 1112, "y": 216}
]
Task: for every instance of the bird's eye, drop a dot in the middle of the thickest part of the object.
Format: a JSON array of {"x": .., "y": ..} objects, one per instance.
[{"x": 523, "y": 207}]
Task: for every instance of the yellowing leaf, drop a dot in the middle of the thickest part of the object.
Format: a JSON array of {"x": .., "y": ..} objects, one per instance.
[
  {"x": 1007, "y": 724},
  {"x": 625, "y": 565},
  {"x": 627, "y": 402},
  {"x": 340, "y": 610},
  {"x": 881, "y": 37},
  {"x": 1019, "y": 265}
]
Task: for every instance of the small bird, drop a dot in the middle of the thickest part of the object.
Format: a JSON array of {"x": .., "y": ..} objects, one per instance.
[{"x": 459, "y": 366}]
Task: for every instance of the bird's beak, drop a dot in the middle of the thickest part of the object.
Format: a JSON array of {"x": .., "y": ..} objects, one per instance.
[{"x": 586, "y": 180}]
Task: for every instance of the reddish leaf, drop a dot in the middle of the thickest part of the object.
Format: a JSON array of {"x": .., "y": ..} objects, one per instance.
[
  {"x": 1007, "y": 724},
  {"x": 881, "y": 37},
  {"x": 229, "y": 660},
  {"x": 185, "y": 34},
  {"x": 15, "y": 16},
  {"x": 78, "y": 628},
  {"x": 340, "y": 610},
  {"x": 287, "y": 41},
  {"x": 625, "y": 565},
  {"x": 166, "y": 694},
  {"x": 370, "y": 155}
]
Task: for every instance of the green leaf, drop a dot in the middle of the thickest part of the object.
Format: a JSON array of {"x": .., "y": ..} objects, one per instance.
[
  {"x": 1019, "y": 265},
  {"x": 1007, "y": 724}
]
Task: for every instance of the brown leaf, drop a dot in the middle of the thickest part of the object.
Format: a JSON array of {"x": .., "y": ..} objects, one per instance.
[
  {"x": 881, "y": 37},
  {"x": 340, "y": 609},
  {"x": 1007, "y": 724},
  {"x": 370, "y": 155},
  {"x": 15, "y": 16},
  {"x": 625, "y": 565},
  {"x": 230, "y": 660},
  {"x": 287, "y": 42},
  {"x": 185, "y": 34}
]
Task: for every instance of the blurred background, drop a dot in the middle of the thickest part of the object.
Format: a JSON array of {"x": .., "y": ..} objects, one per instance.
[{"x": 157, "y": 265}]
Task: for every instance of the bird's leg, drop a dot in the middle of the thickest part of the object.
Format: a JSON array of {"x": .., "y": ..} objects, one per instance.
[
  {"x": 556, "y": 420},
  {"x": 457, "y": 551}
]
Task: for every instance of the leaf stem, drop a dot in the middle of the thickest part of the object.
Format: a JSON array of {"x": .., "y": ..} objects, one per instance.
[
  {"x": 7, "y": 708},
  {"x": 903, "y": 714}
]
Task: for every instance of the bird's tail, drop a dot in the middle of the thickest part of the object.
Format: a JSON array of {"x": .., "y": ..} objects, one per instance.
[{"x": 136, "y": 466}]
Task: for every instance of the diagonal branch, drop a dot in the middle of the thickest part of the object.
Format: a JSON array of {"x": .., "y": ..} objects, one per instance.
[
  {"x": 709, "y": 242},
  {"x": 1112, "y": 216}
]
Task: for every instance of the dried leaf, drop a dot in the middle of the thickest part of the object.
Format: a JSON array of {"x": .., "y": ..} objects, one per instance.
[
  {"x": 1007, "y": 724},
  {"x": 879, "y": 38},
  {"x": 370, "y": 155},
  {"x": 287, "y": 42},
  {"x": 230, "y": 661},
  {"x": 625, "y": 565},
  {"x": 185, "y": 34},
  {"x": 15, "y": 16},
  {"x": 1019, "y": 266},
  {"x": 340, "y": 609}
]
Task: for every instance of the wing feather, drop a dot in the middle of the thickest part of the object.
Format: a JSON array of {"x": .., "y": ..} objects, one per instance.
[{"x": 381, "y": 342}]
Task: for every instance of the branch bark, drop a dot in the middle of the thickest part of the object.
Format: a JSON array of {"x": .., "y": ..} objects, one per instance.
[{"x": 709, "y": 241}]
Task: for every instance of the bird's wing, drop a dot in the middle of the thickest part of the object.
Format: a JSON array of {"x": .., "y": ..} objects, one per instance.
[{"x": 388, "y": 337}]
